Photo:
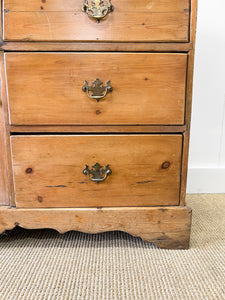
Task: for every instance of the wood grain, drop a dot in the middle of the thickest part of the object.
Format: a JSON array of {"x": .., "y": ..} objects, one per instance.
[
  {"x": 95, "y": 46},
  {"x": 46, "y": 88},
  {"x": 190, "y": 73},
  {"x": 156, "y": 26},
  {"x": 96, "y": 129},
  {"x": 190, "y": 66},
  {"x": 6, "y": 161},
  {"x": 184, "y": 168},
  {"x": 4, "y": 190},
  {"x": 167, "y": 227},
  {"x": 1, "y": 22},
  {"x": 157, "y": 21},
  {"x": 76, "y": 5},
  {"x": 55, "y": 165}
]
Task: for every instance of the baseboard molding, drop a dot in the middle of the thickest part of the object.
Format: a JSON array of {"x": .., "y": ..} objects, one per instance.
[{"x": 206, "y": 180}]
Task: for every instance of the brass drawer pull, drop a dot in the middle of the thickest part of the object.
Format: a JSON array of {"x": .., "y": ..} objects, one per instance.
[
  {"x": 97, "y": 9},
  {"x": 97, "y": 173},
  {"x": 97, "y": 89}
]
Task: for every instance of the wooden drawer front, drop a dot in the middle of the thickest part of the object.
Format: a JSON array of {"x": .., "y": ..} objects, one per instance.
[
  {"x": 46, "y": 88},
  {"x": 131, "y": 20},
  {"x": 48, "y": 170}
]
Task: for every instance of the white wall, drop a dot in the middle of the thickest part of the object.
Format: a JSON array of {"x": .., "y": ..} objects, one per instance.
[{"x": 207, "y": 147}]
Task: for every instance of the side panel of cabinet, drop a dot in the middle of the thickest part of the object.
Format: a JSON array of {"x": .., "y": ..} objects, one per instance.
[
  {"x": 190, "y": 72},
  {"x": 4, "y": 197}
]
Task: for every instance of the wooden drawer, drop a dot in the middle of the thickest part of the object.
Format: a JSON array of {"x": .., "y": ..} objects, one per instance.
[
  {"x": 130, "y": 21},
  {"x": 46, "y": 88},
  {"x": 48, "y": 170}
]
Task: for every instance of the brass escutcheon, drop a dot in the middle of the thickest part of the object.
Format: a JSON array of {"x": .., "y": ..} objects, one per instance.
[
  {"x": 97, "y": 89},
  {"x": 97, "y": 9},
  {"x": 97, "y": 173}
]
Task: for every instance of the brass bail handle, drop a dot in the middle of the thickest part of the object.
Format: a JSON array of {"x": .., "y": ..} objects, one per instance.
[
  {"x": 97, "y": 9},
  {"x": 97, "y": 90},
  {"x": 97, "y": 173}
]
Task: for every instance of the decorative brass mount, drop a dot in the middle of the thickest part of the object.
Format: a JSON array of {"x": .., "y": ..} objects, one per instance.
[
  {"x": 97, "y": 9},
  {"x": 97, "y": 173},
  {"x": 97, "y": 88}
]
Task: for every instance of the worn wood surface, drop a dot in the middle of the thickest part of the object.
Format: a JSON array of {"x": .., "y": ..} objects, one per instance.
[
  {"x": 96, "y": 46},
  {"x": 190, "y": 73},
  {"x": 5, "y": 162},
  {"x": 4, "y": 190},
  {"x": 38, "y": 24},
  {"x": 1, "y": 22},
  {"x": 190, "y": 66},
  {"x": 166, "y": 227},
  {"x": 96, "y": 129},
  {"x": 48, "y": 170},
  {"x": 60, "y": 20},
  {"x": 46, "y": 88},
  {"x": 76, "y": 5},
  {"x": 184, "y": 167}
]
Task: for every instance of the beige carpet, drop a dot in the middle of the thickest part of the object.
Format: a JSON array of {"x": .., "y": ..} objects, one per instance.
[{"x": 43, "y": 264}]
